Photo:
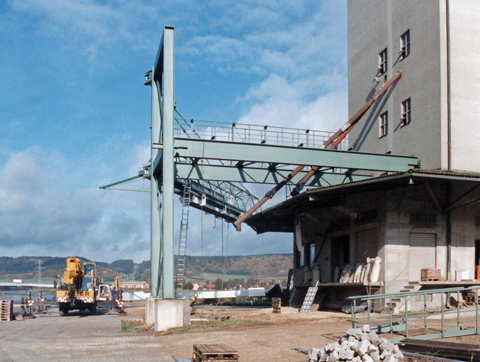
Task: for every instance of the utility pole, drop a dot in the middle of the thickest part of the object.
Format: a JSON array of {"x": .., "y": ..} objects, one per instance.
[{"x": 39, "y": 271}]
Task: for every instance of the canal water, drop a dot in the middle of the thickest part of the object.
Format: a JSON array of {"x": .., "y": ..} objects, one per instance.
[{"x": 17, "y": 296}]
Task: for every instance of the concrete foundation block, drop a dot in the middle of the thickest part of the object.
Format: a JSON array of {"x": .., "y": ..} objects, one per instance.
[
  {"x": 167, "y": 313},
  {"x": 149, "y": 311}
]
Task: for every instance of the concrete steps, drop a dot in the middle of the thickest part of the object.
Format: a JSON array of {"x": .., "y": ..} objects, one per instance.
[{"x": 398, "y": 304}]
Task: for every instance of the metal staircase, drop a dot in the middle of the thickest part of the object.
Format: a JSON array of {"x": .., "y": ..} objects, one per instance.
[{"x": 182, "y": 244}]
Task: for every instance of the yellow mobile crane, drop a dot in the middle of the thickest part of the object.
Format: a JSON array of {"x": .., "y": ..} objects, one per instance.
[{"x": 78, "y": 288}]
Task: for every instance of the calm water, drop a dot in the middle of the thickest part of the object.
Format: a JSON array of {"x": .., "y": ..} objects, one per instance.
[{"x": 17, "y": 296}]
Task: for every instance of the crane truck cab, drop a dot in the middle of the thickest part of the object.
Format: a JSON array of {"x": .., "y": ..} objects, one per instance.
[{"x": 77, "y": 291}]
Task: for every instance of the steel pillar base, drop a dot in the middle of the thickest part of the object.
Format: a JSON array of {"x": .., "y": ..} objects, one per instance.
[{"x": 167, "y": 313}]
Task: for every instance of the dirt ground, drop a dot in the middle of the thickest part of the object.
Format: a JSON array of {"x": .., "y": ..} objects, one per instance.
[
  {"x": 257, "y": 333},
  {"x": 260, "y": 335}
]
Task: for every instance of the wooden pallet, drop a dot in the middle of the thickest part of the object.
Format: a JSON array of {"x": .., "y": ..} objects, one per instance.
[
  {"x": 213, "y": 352},
  {"x": 430, "y": 275}
]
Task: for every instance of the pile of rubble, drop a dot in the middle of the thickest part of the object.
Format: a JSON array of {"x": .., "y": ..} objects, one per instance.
[{"x": 360, "y": 344}]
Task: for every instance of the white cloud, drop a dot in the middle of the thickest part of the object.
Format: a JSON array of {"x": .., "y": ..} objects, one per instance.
[
  {"x": 273, "y": 41},
  {"x": 42, "y": 212},
  {"x": 91, "y": 25},
  {"x": 278, "y": 102}
]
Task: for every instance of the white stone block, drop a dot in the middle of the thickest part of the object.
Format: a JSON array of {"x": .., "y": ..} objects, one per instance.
[
  {"x": 365, "y": 336},
  {"x": 373, "y": 338},
  {"x": 366, "y": 328},
  {"x": 313, "y": 355},
  {"x": 372, "y": 348},
  {"x": 353, "y": 345},
  {"x": 346, "y": 353},
  {"x": 367, "y": 358},
  {"x": 399, "y": 355},
  {"x": 375, "y": 356},
  {"x": 384, "y": 353},
  {"x": 390, "y": 358},
  {"x": 324, "y": 357},
  {"x": 355, "y": 332},
  {"x": 363, "y": 347}
]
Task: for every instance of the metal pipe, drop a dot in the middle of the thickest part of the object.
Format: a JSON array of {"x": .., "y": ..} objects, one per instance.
[
  {"x": 443, "y": 316},
  {"x": 425, "y": 309},
  {"x": 458, "y": 308},
  {"x": 343, "y": 130},
  {"x": 354, "y": 311},
  {"x": 406, "y": 318}
]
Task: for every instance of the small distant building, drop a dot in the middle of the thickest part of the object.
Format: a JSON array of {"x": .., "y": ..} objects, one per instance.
[{"x": 135, "y": 285}]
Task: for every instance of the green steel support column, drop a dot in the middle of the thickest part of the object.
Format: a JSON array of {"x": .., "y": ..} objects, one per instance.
[
  {"x": 155, "y": 199},
  {"x": 168, "y": 173}
]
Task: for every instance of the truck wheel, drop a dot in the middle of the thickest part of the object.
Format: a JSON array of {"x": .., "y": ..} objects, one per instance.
[{"x": 63, "y": 311}]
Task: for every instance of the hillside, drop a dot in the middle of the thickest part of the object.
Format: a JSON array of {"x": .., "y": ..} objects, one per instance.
[{"x": 255, "y": 266}]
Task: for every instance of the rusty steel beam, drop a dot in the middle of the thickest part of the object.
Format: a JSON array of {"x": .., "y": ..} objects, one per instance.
[{"x": 340, "y": 133}]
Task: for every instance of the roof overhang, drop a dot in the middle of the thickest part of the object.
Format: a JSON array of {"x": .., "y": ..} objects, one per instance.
[{"x": 280, "y": 218}]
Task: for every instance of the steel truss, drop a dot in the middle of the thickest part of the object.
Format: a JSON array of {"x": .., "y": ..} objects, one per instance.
[{"x": 207, "y": 157}]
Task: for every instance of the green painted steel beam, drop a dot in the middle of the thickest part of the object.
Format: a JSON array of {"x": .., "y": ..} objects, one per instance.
[
  {"x": 168, "y": 164},
  {"x": 247, "y": 152},
  {"x": 258, "y": 175}
]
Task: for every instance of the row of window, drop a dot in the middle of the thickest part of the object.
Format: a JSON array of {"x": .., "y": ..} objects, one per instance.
[
  {"x": 404, "y": 52},
  {"x": 405, "y": 119}
]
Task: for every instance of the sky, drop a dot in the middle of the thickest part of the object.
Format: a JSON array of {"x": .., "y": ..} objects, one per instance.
[{"x": 75, "y": 114}]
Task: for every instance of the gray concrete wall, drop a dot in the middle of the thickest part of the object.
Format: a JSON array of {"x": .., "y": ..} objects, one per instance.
[
  {"x": 374, "y": 25},
  {"x": 394, "y": 228},
  {"x": 465, "y": 83},
  {"x": 464, "y": 234},
  {"x": 398, "y": 228}
]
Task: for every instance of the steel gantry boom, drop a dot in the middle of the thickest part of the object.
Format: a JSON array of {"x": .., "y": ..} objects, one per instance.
[{"x": 209, "y": 157}]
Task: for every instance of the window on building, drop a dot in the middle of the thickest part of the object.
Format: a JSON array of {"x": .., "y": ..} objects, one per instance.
[
  {"x": 312, "y": 252},
  {"x": 382, "y": 62},
  {"x": 406, "y": 112},
  {"x": 383, "y": 122},
  {"x": 405, "y": 44},
  {"x": 301, "y": 256}
]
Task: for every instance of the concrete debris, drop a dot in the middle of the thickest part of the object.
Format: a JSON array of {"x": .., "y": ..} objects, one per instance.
[{"x": 358, "y": 345}]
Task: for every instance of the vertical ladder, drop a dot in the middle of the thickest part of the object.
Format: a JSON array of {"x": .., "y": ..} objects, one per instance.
[
  {"x": 182, "y": 244},
  {"x": 309, "y": 298}
]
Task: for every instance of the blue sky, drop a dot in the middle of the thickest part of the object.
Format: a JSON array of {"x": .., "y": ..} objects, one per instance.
[{"x": 75, "y": 114}]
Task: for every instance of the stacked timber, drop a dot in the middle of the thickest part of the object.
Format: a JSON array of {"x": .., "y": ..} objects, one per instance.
[
  {"x": 6, "y": 311},
  {"x": 359, "y": 345}
]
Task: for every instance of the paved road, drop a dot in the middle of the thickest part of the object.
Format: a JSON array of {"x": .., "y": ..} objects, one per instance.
[{"x": 77, "y": 337}]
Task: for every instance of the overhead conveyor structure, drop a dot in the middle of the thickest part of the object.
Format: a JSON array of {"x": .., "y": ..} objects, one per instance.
[{"x": 215, "y": 158}]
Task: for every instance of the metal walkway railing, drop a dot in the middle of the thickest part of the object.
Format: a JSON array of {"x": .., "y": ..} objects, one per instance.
[
  {"x": 437, "y": 318},
  {"x": 251, "y": 133}
]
